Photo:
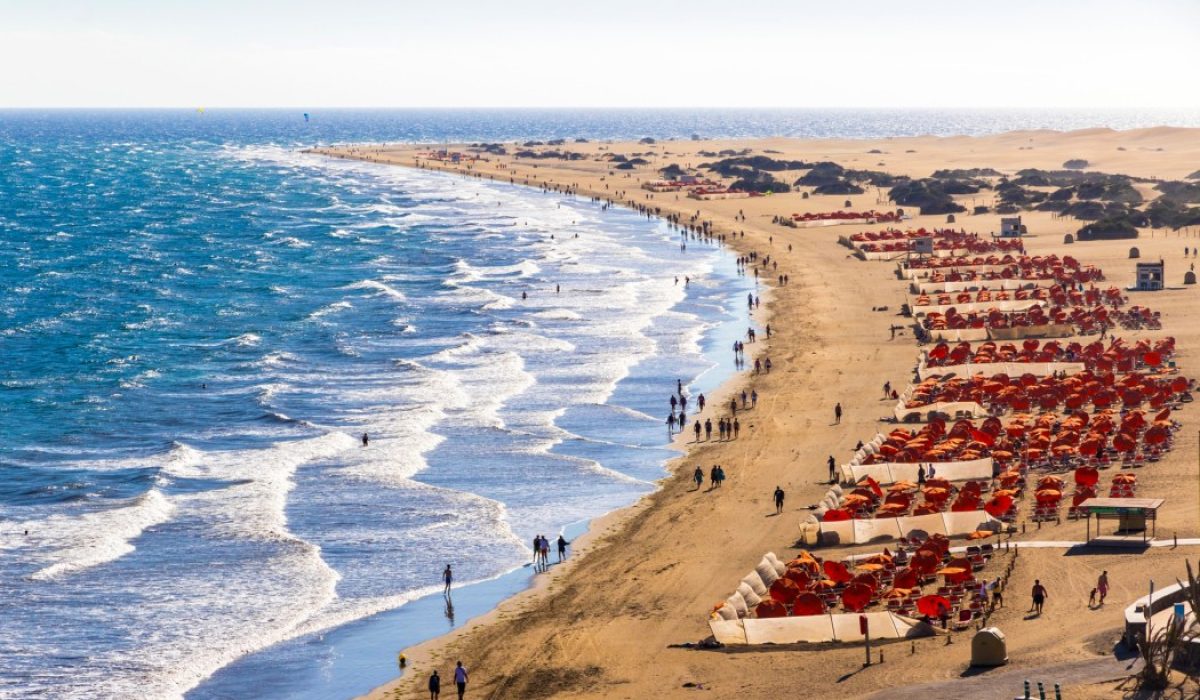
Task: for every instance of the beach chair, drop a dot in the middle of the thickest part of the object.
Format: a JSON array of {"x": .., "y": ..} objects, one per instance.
[{"x": 963, "y": 620}]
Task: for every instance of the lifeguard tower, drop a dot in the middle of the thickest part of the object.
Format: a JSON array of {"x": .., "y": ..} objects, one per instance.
[
  {"x": 1011, "y": 227},
  {"x": 1149, "y": 276}
]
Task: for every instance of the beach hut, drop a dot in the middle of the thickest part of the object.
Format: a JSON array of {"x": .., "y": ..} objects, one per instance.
[
  {"x": 1149, "y": 276},
  {"x": 1011, "y": 227},
  {"x": 988, "y": 648}
]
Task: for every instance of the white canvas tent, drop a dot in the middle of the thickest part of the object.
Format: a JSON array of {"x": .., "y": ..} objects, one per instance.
[{"x": 831, "y": 627}]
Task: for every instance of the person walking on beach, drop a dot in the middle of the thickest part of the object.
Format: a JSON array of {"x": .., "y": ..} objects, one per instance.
[
  {"x": 832, "y": 466},
  {"x": 448, "y": 578},
  {"x": 721, "y": 429},
  {"x": 733, "y": 406},
  {"x": 546, "y": 551},
  {"x": 1102, "y": 586},
  {"x": 435, "y": 686},
  {"x": 737, "y": 428},
  {"x": 778, "y": 500},
  {"x": 700, "y": 402},
  {"x": 743, "y": 398},
  {"x": 698, "y": 476},
  {"x": 460, "y": 680},
  {"x": 754, "y": 398},
  {"x": 720, "y": 475},
  {"x": 920, "y": 475},
  {"x": 537, "y": 550},
  {"x": 1039, "y": 596},
  {"x": 562, "y": 548},
  {"x": 837, "y": 413},
  {"x": 698, "y": 428},
  {"x": 707, "y": 429},
  {"x": 713, "y": 481}
]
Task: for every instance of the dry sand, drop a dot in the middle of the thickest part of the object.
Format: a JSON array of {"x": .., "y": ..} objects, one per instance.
[{"x": 603, "y": 625}]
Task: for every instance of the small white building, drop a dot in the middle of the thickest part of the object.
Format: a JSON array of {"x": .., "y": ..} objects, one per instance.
[
  {"x": 1010, "y": 227},
  {"x": 1149, "y": 276}
]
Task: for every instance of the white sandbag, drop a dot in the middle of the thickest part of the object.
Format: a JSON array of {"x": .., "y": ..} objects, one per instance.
[
  {"x": 755, "y": 582},
  {"x": 748, "y": 594},
  {"x": 766, "y": 571},
  {"x": 780, "y": 567}
]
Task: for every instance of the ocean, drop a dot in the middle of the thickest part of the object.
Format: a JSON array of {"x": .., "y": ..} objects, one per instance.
[{"x": 198, "y": 322}]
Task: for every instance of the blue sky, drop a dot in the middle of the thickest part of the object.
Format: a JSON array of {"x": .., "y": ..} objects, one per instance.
[{"x": 612, "y": 53}]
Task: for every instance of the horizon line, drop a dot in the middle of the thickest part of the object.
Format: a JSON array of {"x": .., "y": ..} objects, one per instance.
[{"x": 199, "y": 106}]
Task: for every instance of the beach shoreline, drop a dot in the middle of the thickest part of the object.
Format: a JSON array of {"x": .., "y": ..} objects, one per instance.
[{"x": 821, "y": 316}]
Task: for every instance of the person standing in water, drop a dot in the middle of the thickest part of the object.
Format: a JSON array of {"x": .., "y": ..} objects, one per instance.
[
  {"x": 365, "y": 439},
  {"x": 448, "y": 578},
  {"x": 562, "y": 548}
]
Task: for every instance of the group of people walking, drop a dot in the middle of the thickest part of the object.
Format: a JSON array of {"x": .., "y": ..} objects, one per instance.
[
  {"x": 728, "y": 428},
  {"x": 716, "y": 476},
  {"x": 460, "y": 682},
  {"x": 541, "y": 550}
]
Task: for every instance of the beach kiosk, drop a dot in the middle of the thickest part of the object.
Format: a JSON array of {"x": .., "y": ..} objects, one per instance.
[
  {"x": 1131, "y": 515},
  {"x": 921, "y": 246},
  {"x": 1010, "y": 227},
  {"x": 1149, "y": 276}
]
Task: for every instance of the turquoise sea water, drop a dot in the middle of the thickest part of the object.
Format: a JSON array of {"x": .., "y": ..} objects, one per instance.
[{"x": 197, "y": 323}]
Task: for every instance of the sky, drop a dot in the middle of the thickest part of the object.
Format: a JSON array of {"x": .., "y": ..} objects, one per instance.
[{"x": 607, "y": 53}]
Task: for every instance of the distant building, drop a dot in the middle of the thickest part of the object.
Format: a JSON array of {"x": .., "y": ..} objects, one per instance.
[
  {"x": 1010, "y": 227},
  {"x": 1149, "y": 276}
]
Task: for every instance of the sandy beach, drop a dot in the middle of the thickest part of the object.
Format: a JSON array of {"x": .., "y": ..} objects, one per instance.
[{"x": 608, "y": 623}]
